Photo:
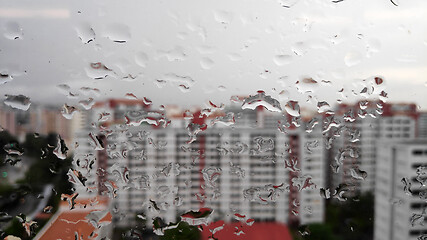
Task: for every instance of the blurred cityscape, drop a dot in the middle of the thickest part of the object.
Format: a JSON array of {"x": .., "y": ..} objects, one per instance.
[{"x": 122, "y": 169}]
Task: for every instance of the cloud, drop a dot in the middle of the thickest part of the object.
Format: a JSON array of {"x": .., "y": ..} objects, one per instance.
[
  {"x": 34, "y": 13},
  {"x": 396, "y": 15}
]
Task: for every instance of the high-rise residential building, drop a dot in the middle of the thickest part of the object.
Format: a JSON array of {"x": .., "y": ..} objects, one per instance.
[
  {"x": 422, "y": 125},
  {"x": 37, "y": 119},
  {"x": 401, "y": 192},
  {"x": 353, "y": 152},
  {"x": 233, "y": 161}
]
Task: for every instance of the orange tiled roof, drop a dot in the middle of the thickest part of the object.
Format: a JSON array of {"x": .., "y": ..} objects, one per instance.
[
  {"x": 258, "y": 231},
  {"x": 68, "y": 223}
]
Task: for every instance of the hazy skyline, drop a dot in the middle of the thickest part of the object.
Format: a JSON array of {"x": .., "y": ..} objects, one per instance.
[{"x": 215, "y": 49}]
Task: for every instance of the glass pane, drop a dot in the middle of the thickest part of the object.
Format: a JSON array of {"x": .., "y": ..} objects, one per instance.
[{"x": 213, "y": 120}]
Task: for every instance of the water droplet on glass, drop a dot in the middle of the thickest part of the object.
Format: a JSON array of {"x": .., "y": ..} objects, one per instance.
[
  {"x": 98, "y": 71},
  {"x": 421, "y": 175},
  {"x": 352, "y": 58},
  {"x": 68, "y": 111},
  {"x": 5, "y": 77},
  {"x": 141, "y": 59},
  {"x": 261, "y": 99},
  {"x": 417, "y": 219},
  {"x": 292, "y": 108},
  {"x": 325, "y": 193},
  {"x": 202, "y": 216},
  {"x": 407, "y": 186},
  {"x": 299, "y": 48},
  {"x": 20, "y": 102},
  {"x": 207, "y": 63},
  {"x": 118, "y": 33},
  {"x": 61, "y": 149},
  {"x": 287, "y": 3},
  {"x": 226, "y": 120},
  {"x": 175, "y": 54},
  {"x": 223, "y": 17},
  {"x": 237, "y": 170},
  {"x": 211, "y": 175},
  {"x": 358, "y": 174},
  {"x": 281, "y": 60},
  {"x": 85, "y": 33},
  {"x": 306, "y": 85},
  {"x": 13, "y": 148},
  {"x": 87, "y": 104},
  {"x": 96, "y": 142},
  {"x": 234, "y": 57},
  {"x": 13, "y": 31}
]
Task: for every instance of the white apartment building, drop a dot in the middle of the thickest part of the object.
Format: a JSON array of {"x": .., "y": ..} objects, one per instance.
[
  {"x": 400, "y": 192},
  {"x": 354, "y": 151},
  {"x": 247, "y": 168},
  {"x": 422, "y": 125}
]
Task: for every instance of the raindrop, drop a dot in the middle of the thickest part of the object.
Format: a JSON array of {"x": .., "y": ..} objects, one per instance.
[
  {"x": 211, "y": 175},
  {"x": 292, "y": 108},
  {"x": 96, "y": 142},
  {"x": 87, "y": 90},
  {"x": 104, "y": 116},
  {"x": 340, "y": 191},
  {"x": 130, "y": 96},
  {"x": 306, "y": 85},
  {"x": 323, "y": 107},
  {"x": 237, "y": 170},
  {"x": 299, "y": 48},
  {"x": 281, "y": 60},
  {"x": 68, "y": 111},
  {"x": 5, "y": 77},
  {"x": 197, "y": 217},
  {"x": 85, "y": 33},
  {"x": 61, "y": 149},
  {"x": 417, "y": 219},
  {"x": 234, "y": 57},
  {"x": 226, "y": 120},
  {"x": 147, "y": 101},
  {"x": 87, "y": 104},
  {"x": 261, "y": 99},
  {"x": 352, "y": 58},
  {"x": 421, "y": 175},
  {"x": 407, "y": 186},
  {"x": 13, "y": 148},
  {"x": 263, "y": 144},
  {"x": 171, "y": 168},
  {"x": 98, "y": 71},
  {"x": 20, "y": 102},
  {"x": 207, "y": 63},
  {"x": 175, "y": 54},
  {"x": 118, "y": 33},
  {"x": 141, "y": 59},
  {"x": 13, "y": 31},
  {"x": 358, "y": 174},
  {"x": 223, "y": 17},
  {"x": 135, "y": 118},
  {"x": 303, "y": 182},
  {"x": 287, "y": 3},
  {"x": 311, "y": 124},
  {"x": 325, "y": 193}
]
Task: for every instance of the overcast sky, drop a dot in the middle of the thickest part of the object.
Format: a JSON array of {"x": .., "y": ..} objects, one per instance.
[{"x": 189, "y": 52}]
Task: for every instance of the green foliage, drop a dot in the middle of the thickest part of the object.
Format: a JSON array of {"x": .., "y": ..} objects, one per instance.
[
  {"x": 320, "y": 232},
  {"x": 349, "y": 220},
  {"x": 47, "y": 169},
  {"x": 5, "y": 138},
  {"x": 33, "y": 145},
  {"x": 352, "y": 219},
  {"x": 182, "y": 232},
  {"x": 16, "y": 229}
]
